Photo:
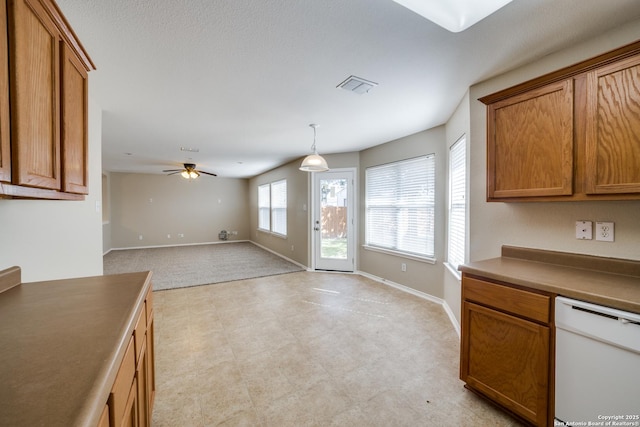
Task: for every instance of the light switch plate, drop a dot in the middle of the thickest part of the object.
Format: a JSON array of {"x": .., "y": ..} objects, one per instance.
[
  {"x": 584, "y": 230},
  {"x": 605, "y": 231}
]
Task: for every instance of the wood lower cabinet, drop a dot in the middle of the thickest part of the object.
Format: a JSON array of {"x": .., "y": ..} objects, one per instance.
[
  {"x": 507, "y": 347},
  {"x": 120, "y": 397},
  {"x": 571, "y": 135},
  {"x": 104, "y": 417},
  {"x": 151, "y": 373},
  {"x": 131, "y": 399}
]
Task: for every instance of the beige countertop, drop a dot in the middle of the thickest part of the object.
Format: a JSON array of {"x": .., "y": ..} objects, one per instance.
[
  {"x": 605, "y": 281},
  {"x": 61, "y": 343}
]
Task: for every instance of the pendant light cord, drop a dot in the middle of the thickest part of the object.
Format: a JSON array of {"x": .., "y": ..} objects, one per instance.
[{"x": 313, "y": 147}]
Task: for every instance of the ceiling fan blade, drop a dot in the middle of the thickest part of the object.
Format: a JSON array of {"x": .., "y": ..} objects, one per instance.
[
  {"x": 208, "y": 173},
  {"x": 173, "y": 173},
  {"x": 172, "y": 170}
]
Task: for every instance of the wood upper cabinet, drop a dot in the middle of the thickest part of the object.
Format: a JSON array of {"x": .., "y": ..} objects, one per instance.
[
  {"x": 74, "y": 124},
  {"x": 613, "y": 130},
  {"x": 573, "y": 134},
  {"x": 45, "y": 142},
  {"x": 507, "y": 347},
  {"x": 5, "y": 141},
  {"x": 530, "y": 143},
  {"x": 35, "y": 93}
]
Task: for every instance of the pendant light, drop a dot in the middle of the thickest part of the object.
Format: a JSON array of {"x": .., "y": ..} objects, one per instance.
[{"x": 314, "y": 162}]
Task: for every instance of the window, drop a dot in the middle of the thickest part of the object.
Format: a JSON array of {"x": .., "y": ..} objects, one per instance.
[
  {"x": 279, "y": 207},
  {"x": 272, "y": 207},
  {"x": 457, "y": 203},
  {"x": 264, "y": 207},
  {"x": 400, "y": 206}
]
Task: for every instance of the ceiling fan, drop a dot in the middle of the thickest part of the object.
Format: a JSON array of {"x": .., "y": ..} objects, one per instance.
[{"x": 189, "y": 171}]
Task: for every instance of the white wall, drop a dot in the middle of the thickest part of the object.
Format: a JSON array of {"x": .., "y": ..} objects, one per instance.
[
  {"x": 295, "y": 245},
  {"x": 54, "y": 239},
  {"x": 157, "y": 206},
  {"x": 544, "y": 225},
  {"x": 421, "y": 276}
]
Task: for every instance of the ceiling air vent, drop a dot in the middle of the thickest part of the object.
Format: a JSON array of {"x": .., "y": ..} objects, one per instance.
[{"x": 357, "y": 85}]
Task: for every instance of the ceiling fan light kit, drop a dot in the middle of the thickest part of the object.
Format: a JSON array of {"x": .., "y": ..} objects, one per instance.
[
  {"x": 189, "y": 171},
  {"x": 314, "y": 162},
  {"x": 190, "y": 174}
]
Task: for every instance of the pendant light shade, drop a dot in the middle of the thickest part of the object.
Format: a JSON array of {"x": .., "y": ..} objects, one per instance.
[{"x": 314, "y": 162}]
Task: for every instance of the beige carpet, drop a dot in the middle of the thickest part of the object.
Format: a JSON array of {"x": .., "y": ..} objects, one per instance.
[{"x": 186, "y": 266}]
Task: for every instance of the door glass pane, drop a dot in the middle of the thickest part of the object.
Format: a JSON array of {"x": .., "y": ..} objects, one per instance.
[{"x": 333, "y": 218}]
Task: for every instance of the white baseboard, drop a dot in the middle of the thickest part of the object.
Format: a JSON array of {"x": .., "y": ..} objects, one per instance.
[
  {"x": 171, "y": 246},
  {"x": 280, "y": 255},
  {"x": 419, "y": 294}
]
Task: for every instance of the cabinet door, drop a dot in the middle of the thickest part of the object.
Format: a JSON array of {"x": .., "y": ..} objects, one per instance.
[
  {"x": 144, "y": 416},
  {"x": 5, "y": 142},
  {"x": 130, "y": 418},
  {"x": 151, "y": 373},
  {"x": 121, "y": 393},
  {"x": 104, "y": 417},
  {"x": 35, "y": 89},
  {"x": 74, "y": 124},
  {"x": 507, "y": 359},
  {"x": 613, "y": 128},
  {"x": 530, "y": 143}
]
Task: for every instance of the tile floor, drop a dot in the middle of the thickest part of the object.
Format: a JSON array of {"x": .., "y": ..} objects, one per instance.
[{"x": 309, "y": 349}]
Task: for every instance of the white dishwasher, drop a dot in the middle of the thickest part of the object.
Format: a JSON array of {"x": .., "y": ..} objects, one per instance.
[{"x": 597, "y": 365}]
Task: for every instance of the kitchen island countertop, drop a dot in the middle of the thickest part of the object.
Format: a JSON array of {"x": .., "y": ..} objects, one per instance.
[{"x": 61, "y": 343}]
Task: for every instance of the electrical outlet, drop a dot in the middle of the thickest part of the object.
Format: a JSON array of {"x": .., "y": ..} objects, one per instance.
[
  {"x": 168, "y": 236},
  {"x": 403, "y": 266},
  {"x": 140, "y": 237},
  {"x": 584, "y": 230},
  {"x": 605, "y": 231}
]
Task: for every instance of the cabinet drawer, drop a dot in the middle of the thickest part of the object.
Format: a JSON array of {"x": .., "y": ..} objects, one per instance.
[
  {"x": 122, "y": 385},
  {"x": 139, "y": 332},
  {"x": 516, "y": 301},
  {"x": 104, "y": 417},
  {"x": 149, "y": 303}
]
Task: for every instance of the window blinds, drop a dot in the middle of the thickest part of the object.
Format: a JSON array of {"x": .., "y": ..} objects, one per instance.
[
  {"x": 279, "y": 207},
  {"x": 457, "y": 203},
  {"x": 264, "y": 207},
  {"x": 400, "y": 211}
]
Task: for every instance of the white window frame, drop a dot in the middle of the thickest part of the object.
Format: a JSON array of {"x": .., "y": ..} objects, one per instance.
[
  {"x": 272, "y": 208},
  {"x": 400, "y": 208},
  {"x": 457, "y": 215}
]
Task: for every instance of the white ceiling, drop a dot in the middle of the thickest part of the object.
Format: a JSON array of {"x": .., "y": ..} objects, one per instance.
[{"x": 241, "y": 80}]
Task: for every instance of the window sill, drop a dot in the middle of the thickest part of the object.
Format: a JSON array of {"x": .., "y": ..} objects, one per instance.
[
  {"x": 454, "y": 272},
  {"x": 400, "y": 254},
  {"x": 281, "y": 236}
]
